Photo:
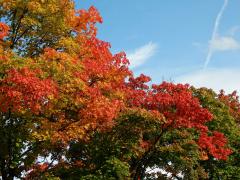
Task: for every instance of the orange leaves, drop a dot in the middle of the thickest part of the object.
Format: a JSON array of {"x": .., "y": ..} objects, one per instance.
[
  {"x": 100, "y": 113},
  {"x": 203, "y": 155},
  {"x": 94, "y": 49},
  {"x": 77, "y": 86},
  {"x": 37, "y": 170},
  {"x": 94, "y": 15},
  {"x": 103, "y": 70},
  {"x": 86, "y": 21},
  {"x": 22, "y": 90},
  {"x": 33, "y": 6},
  {"x": 3, "y": 30},
  {"x": 144, "y": 144},
  {"x": 99, "y": 63},
  {"x": 49, "y": 53},
  {"x": 91, "y": 96}
]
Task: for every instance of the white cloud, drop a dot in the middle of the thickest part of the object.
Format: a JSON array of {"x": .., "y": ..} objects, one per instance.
[
  {"x": 216, "y": 79},
  {"x": 224, "y": 43},
  {"x": 140, "y": 55},
  {"x": 234, "y": 30}
]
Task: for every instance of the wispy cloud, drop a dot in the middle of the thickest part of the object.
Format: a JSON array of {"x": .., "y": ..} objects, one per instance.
[
  {"x": 215, "y": 79},
  {"x": 234, "y": 30},
  {"x": 140, "y": 55},
  {"x": 215, "y": 33},
  {"x": 224, "y": 43}
]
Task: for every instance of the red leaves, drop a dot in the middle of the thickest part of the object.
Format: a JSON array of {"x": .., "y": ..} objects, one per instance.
[
  {"x": 174, "y": 101},
  {"x": 179, "y": 106},
  {"x": 137, "y": 93},
  {"x": 37, "y": 170},
  {"x": 180, "y": 109},
  {"x": 139, "y": 82},
  {"x": 94, "y": 86},
  {"x": 3, "y": 30},
  {"x": 22, "y": 90},
  {"x": 215, "y": 144}
]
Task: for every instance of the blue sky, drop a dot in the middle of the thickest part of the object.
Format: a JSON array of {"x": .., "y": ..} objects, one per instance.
[{"x": 170, "y": 39}]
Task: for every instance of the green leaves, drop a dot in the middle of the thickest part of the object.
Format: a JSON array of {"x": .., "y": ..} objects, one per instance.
[{"x": 225, "y": 122}]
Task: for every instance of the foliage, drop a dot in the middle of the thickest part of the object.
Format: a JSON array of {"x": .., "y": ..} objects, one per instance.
[
  {"x": 70, "y": 109},
  {"x": 225, "y": 109}
]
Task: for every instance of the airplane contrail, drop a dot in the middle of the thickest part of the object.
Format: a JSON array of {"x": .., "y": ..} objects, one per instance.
[{"x": 215, "y": 33}]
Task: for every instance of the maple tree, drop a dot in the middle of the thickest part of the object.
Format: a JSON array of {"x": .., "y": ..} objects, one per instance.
[
  {"x": 225, "y": 109},
  {"x": 70, "y": 108}
]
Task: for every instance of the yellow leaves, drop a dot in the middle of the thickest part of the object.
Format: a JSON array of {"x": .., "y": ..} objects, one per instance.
[
  {"x": 70, "y": 45},
  {"x": 50, "y": 6},
  {"x": 203, "y": 155},
  {"x": 34, "y": 6},
  {"x": 43, "y": 136},
  {"x": 174, "y": 147},
  {"x": 88, "y": 82},
  {"x": 148, "y": 115},
  {"x": 76, "y": 132},
  {"x": 4, "y": 58},
  {"x": 4, "y": 4},
  {"x": 63, "y": 131},
  {"x": 118, "y": 94},
  {"x": 28, "y": 21},
  {"x": 37, "y": 23},
  {"x": 7, "y": 4}
]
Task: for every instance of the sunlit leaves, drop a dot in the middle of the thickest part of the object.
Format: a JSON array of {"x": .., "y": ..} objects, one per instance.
[
  {"x": 215, "y": 145},
  {"x": 3, "y": 30},
  {"x": 36, "y": 24},
  {"x": 225, "y": 120},
  {"x": 86, "y": 20},
  {"x": 79, "y": 108},
  {"x": 21, "y": 90}
]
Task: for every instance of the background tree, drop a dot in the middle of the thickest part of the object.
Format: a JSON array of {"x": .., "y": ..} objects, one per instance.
[{"x": 225, "y": 110}]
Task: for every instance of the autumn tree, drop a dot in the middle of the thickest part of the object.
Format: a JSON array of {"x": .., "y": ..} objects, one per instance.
[
  {"x": 36, "y": 24},
  {"x": 225, "y": 110},
  {"x": 57, "y": 83},
  {"x": 72, "y": 109}
]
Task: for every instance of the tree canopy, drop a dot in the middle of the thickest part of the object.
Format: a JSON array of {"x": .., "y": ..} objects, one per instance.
[{"x": 70, "y": 109}]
